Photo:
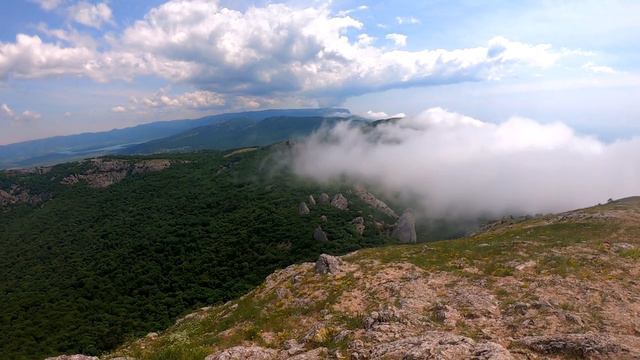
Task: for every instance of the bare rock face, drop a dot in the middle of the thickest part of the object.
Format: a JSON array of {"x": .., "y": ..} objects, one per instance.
[
  {"x": 312, "y": 200},
  {"x": 105, "y": 173},
  {"x": 590, "y": 345},
  {"x": 373, "y": 201},
  {"x": 328, "y": 264},
  {"x": 442, "y": 346},
  {"x": 303, "y": 209},
  {"x": 358, "y": 224},
  {"x": 245, "y": 352},
  {"x": 405, "y": 228},
  {"x": 320, "y": 235},
  {"x": 72, "y": 357},
  {"x": 340, "y": 202},
  {"x": 323, "y": 199},
  {"x": 17, "y": 195}
]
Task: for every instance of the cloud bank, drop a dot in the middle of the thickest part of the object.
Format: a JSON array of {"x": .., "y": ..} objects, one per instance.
[{"x": 455, "y": 165}]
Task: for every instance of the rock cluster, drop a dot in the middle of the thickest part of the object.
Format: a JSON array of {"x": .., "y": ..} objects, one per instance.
[{"x": 17, "y": 195}]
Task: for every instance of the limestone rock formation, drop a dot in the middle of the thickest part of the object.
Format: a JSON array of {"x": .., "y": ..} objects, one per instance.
[
  {"x": 323, "y": 218},
  {"x": 17, "y": 195},
  {"x": 340, "y": 202},
  {"x": 320, "y": 235},
  {"x": 105, "y": 172},
  {"x": 323, "y": 199},
  {"x": 328, "y": 264},
  {"x": 303, "y": 209},
  {"x": 590, "y": 345},
  {"x": 373, "y": 201},
  {"x": 312, "y": 200},
  {"x": 358, "y": 224},
  {"x": 405, "y": 228}
]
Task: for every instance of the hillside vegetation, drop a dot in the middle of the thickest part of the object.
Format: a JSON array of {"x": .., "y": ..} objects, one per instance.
[
  {"x": 553, "y": 287},
  {"x": 100, "y": 251}
]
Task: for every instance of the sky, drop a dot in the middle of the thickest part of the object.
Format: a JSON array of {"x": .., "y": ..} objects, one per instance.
[{"x": 71, "y": 66}]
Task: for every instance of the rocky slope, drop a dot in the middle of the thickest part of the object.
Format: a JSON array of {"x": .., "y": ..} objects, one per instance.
[{"x": 553, "y": 287}]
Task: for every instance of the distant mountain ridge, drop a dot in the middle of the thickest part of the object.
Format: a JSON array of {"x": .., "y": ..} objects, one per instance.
[{"x": 71, "y": 147}]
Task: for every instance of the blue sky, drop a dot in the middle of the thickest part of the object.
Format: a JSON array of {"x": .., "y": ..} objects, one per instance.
[{"x": 69, "y": 66}]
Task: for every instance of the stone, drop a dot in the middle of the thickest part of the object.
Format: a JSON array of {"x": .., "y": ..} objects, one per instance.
[
  {"x": 340, "y": 202},
  {"x": 328, "y": 264},
  {"x": 323, "y": 199},
  {"x": 312, "y": 200},
  {"x": 320, "y": 235},
  {"x": 323, "y": 218},
  {"x": 582, "y": 345},
  {"x": 405, "y": 228},
  {"x": 358, "y": 224},
  {"x": 374, "y": 202},
  {"x": 303, "y": 209},
  {"x": 72, "y": 357},
  {"x": 245, "y": 352}
]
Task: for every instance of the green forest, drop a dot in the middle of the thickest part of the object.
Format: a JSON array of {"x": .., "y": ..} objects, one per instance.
[{"x": 91, "y": 268}]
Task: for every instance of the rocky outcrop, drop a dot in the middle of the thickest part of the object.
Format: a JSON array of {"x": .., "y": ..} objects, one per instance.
[
  {"x": 312, "y": 200},
  {"x": 17, "y": 195},
  {"x": 323, "y": 199},
  {"x": 244, "y": 353},
  {"x": 303, "y": 209},
  {"x": 328, "y": 264},
  {"x": 373, "y": 201},
  {"x": 72, "y": 357},
  {"x": 439, "y": 345},
  {"x": 340, "y": 202},
  {"x": 590, "y": 345},
  {"x": 103, "y": 173},
  {"x": 358, "y": 224},
  {"x": 405, "y": 228},
  {"x": 320, "y": 235}
]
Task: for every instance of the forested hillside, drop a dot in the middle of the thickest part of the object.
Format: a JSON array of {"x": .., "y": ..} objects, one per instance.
[{"x": 101, "y": 251}]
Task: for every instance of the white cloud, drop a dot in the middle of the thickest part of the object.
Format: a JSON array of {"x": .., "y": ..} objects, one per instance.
[
  {"x": 378, "y": 115},
  {"x": 118, "y": 109},
  {"x": 92, "y": 15},
  {"x": 347, "y": 12},
  {"x": 264, "y": 52},
  {"x": 48, "y": 5},
  {"x": 6, "y": 113},
  {"x": 399, "y": 40},
  {"x": 407, "y": 20},
  {"x": 454, "y": 165},
  {"x": 196, "y": 100},
  {"x": 598, "y": 69}
]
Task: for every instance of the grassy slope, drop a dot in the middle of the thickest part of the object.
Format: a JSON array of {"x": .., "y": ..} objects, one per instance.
[{"x": 584, "y": 264}]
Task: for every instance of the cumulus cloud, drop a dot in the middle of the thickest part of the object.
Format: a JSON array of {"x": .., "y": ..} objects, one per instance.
[
  {"x": 197, "y": 100},
  {"x": 271, "y": 51},
  {"x": 118, "y": 109},
  {"x": 398, "y": 39},
  {"x": 6, "y": 113},
  {"x": 48, "y": 5},
  {"x": 598, "y": 69},
  {"x": 92, "y": 15},
  {"x": 455, "y": 165}
]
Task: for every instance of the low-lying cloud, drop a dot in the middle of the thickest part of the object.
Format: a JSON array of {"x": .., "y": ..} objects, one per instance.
[{"x": 454, "y": 165}]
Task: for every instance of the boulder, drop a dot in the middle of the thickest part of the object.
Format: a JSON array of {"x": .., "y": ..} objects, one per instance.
[
  {"x": 405, "y": 228},
  {"x": 587, "y": 345},
  {"x": 323, "y": 199},
  {"x": 323, "y": 218},
  {"x": 303, "y": 209},
  {"x": 320, "y": 235},
  {"x": 72, "y": 357},
  {"x": 328, "y": 264},
  {"x": 358, "y": 224},
  {"x": 340, "y": 202},
  {"x": 312, "y": 200}
]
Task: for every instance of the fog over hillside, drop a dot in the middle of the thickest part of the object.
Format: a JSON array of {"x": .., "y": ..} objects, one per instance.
[{"x": 454, "y": 165}]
